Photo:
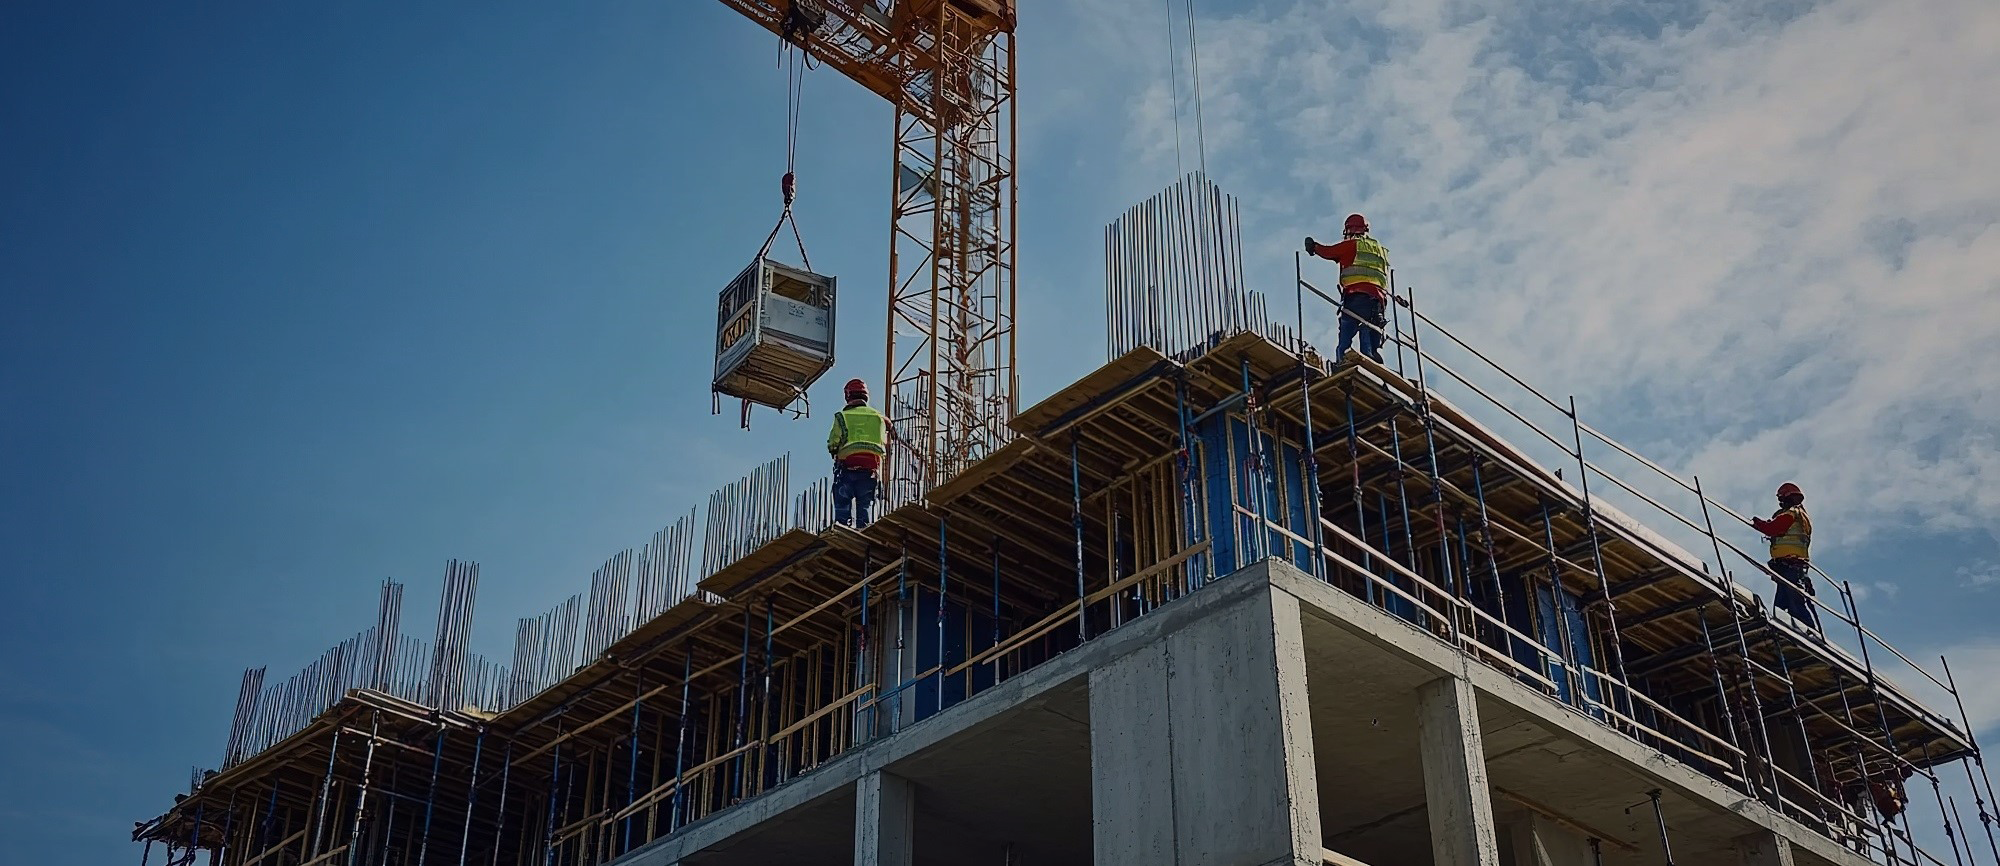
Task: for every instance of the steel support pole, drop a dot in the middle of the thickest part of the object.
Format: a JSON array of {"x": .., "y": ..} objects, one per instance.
[
  {"x": 632, "y": 771},
  {"x": 500, "y": 817},
  {"x": 1660, "y": 818},
  {"x": 555, "y": 778},
  {"x": 361, "y": 796},
  {"x": 430, "y": 796},
  {"x": 1076, "y": 521},
  {"x": 1597, "y": 559},
  {"x": 1944, "y": 814},
  {"x": 325, "y": 794},
  {"x": 680, "y": 741},
  {"x": 1985, "y": 818},
  {"x": 471, "y": 795},
  {"x": 1722, "y": 693},
  {"x": 944, "y": 571},
  {"x": 996, "y": 608},
  {"x": 742, "y": 708},
  {"x": 1312, "y": 453},
  {"x": 1360, "y": 508}
]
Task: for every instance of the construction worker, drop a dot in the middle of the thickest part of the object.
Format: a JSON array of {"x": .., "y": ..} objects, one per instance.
[
  {"x": 1790, "y": 532},
  {"x": 856, "y": 442},
  {"x": 1364, "y": 271}
]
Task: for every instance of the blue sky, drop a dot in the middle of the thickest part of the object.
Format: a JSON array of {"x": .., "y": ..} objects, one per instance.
[{"x": 299, "y": 298}]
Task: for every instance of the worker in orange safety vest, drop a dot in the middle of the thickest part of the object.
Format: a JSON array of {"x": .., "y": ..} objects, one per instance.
[{"x": 1790, "y": 533}]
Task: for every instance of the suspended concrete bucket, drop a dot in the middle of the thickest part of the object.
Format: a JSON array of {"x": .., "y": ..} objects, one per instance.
[{"x": 773, "y": 333}]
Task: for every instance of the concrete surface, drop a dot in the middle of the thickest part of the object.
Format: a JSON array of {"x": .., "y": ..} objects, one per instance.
[
  {"x": 1201, "y": 744},
  {"x": 1529, "y": 839},
  {"x": 885, "y": 821},
  {"x": 1453, "y": 755},
  {"x": 1764, "y": 848}
]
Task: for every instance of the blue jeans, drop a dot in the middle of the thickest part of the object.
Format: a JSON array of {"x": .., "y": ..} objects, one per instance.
[
  {"x": 1355, "y": 308},
  {"x": 854, "y": 493},
  {"x": 1795, "y": 592}
]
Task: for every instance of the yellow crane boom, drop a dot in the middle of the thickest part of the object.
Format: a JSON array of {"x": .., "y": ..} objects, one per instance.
[{"x": 947, "y": 67}]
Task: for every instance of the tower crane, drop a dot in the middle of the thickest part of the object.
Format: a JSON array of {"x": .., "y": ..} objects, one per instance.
[{"x": 947, "y": 67}]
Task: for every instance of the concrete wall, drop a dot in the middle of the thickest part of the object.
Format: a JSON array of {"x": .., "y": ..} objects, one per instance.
[{"x": 1201, "y": 744}]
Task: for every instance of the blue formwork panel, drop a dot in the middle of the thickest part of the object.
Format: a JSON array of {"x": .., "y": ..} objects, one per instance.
[
  {"x": 1280, "y": 493},
  {"x": 924, "y": 642},
  {"x": 1224, "y": 527},
  {"x": 1564, "y": 631}
]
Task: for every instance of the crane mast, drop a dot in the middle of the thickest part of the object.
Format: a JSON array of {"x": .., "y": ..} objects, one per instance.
[{"x": 947, "y": 67}]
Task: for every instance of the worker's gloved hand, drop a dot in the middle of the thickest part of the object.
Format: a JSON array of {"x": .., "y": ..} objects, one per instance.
[{"x": 1312, "y": 246}]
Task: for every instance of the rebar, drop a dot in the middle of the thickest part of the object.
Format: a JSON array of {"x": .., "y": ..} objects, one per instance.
[
  {"x": 454, "y": 631},
  {"x": 610, "y": 591},
  {"x": 746, "y": 514},
  {"x": 1173, "y": 274}
]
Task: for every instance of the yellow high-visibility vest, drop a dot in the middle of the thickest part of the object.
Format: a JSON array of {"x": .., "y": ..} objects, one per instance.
[
  {"x": 1371, "y": 264},
  {"x": 1797, "y": 539},
  {"x": 859, "y": 430}
]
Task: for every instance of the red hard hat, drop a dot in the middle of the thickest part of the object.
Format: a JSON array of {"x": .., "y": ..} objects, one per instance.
[
  {"x": 856, "y": 386},
  {"x": 1357, "y": 223},
  {"x": 1790, "y": 489}
]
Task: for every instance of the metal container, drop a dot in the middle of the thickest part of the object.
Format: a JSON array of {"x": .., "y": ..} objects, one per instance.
[{"x": 774, "y": 330}]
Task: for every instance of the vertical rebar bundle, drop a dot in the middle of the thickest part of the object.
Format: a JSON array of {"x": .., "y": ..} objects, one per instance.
[
  {"x": 246, "y": 711},
  {"x": 1173, "y": 273},
  {"x": 812, "y": 511},
  {"x": 545, "y": 649},
  {"x": 610, "y": 589},
  {"x": 454, "y": 631},
  {"x": 746, "y": 514},
  {"x": 665, "y": 570},
  {"x": 388, "y": 624}
]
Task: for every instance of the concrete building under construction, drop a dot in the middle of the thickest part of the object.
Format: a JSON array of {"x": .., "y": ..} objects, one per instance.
[{"x": 1220, "y": 601}]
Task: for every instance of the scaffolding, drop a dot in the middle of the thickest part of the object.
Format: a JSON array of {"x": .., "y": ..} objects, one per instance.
[{"x": 1197, "y": 451}]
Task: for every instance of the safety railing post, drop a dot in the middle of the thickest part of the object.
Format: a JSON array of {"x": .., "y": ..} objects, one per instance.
[
  {"x": 1884, "y": 826},
  {"x": 1722, "y": 697},
  {"x": 1360, "y": 508},
  {"x": 1312, "y": 493},
  {"x": 1425, "y": 415},
  {"x": 1597, "y": 559}
]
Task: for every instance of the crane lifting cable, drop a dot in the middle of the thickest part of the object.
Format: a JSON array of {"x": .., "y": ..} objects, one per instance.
[{"x": 775, "y": 322}]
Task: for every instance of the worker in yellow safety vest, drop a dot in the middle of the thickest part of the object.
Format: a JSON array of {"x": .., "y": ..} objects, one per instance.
[
  {"x": 1790, "y": 533},
  {"x": 856, "y": 442},
  {"x": 1364, "y": 272}
]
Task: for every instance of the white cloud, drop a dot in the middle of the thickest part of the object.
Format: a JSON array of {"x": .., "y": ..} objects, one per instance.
[
  {"x": 1979, "y": 575},
  {"x": 1767, "y": 246}
]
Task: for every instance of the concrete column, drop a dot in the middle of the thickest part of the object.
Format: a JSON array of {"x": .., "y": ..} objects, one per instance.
[
  {"x": 1455, "y": 787},
  {"x": 885, "y": 819},
  {"x": 1201, "y": 744},
  {"x": 1763, "y": 848},
  {"x": 1538, "y": 841}
]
